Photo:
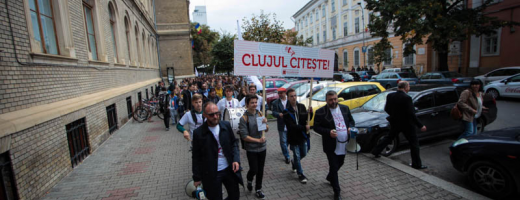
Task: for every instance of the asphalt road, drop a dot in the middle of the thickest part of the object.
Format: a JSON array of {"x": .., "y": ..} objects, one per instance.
[{"x": 435, "y": 153}]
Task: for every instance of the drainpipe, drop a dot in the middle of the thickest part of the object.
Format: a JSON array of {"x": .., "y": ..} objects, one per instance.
[{"x": 157, "y": 40}]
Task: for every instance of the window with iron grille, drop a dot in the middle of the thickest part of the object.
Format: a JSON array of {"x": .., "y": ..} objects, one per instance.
[
  {"x": 139, "y": 97},
  {"x": 7, "y": 185},
  {"x": 129, "y": 106},
  {"x": 151, "y": 89},
  {"x": 78, "y": 141},
  {"x": 146, "y": 90},
  {"x": 112, "y": 118}
]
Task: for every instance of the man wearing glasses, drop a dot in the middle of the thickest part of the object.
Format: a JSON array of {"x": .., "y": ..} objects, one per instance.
[{"x": 215, "y": 156}]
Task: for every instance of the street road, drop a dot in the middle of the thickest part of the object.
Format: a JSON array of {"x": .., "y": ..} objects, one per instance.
[{"x": 435, "y": 153}]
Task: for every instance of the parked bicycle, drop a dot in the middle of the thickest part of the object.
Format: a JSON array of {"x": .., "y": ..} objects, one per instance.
[{"x": 147, "y": 109}]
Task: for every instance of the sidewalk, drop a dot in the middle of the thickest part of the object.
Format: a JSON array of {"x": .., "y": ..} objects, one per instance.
[{"x": 143, "y": 161}]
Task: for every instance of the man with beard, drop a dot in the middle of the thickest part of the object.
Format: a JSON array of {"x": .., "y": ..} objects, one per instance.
[
  {"x": 333, "y": 123},
  {"x": 215, "y": 157}
]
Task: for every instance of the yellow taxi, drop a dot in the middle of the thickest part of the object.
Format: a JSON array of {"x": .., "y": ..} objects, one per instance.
[{"x": 351, "y": 94}]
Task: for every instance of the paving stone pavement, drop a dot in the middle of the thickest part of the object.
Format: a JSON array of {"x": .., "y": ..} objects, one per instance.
[{"x": 143, "y": 161}]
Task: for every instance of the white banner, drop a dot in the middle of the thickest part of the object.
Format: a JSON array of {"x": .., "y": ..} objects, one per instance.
[{"x": 266, "y": 59}]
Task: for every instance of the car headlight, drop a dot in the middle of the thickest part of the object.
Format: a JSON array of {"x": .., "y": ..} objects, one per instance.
[
  {"x": 362, "y": 130},
  {"x": 459, "y": 142}
]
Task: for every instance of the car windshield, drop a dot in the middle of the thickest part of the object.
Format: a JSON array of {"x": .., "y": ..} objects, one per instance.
[
  {"x": 451, "y": 74},
  {"x": 320, "y": 96},
  {"x": 302, "y": 89},
  {"x": 407, "y": 75},
  {"x": 286, "y": 86}
]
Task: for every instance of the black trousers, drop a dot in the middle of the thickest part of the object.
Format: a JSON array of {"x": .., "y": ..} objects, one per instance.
[
  {"x": 256, "y": 167},
  {"x": 166, "y": 119},
  {"x": 410, "y": 134},
  {"x": 227, "y": 177},
  {"x": 335, "y": 163}
]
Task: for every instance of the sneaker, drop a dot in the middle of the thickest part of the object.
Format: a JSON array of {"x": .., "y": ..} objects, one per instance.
[
  {"x": 167, "y": 129},
  {"x": 249, "y": 186},
  {"x": 260, "y": 194},
  {"x": 303, "y": 179},
  {"x": 293, "y": 167}
]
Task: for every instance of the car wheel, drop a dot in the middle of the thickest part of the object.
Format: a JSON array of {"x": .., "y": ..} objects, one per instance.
[
  {"x": 494, "y": 93},
  {"x": 390, "y": 148},
  {"x": 490, "y": 179},
  {"x": 388, "y": 86}
]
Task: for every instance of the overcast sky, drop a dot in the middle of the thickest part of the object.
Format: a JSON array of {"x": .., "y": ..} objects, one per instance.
[{"x": 223, "y": 14}]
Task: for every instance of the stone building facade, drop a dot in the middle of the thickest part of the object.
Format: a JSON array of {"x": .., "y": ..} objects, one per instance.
[
  {"x": 69, "y": 73},
  {"x": 173, "y": 27}
]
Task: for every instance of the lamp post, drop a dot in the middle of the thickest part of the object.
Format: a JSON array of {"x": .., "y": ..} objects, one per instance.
[{"x": 364, "y": 49}]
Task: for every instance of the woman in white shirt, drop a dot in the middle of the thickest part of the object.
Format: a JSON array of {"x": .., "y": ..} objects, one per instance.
[{"x": 228, "y": 101}]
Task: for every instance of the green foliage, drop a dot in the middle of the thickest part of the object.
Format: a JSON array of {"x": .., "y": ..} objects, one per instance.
[
  {"x": 222, "y": 53},
  {"x": 263, "y": 29},
  {"x": 203, "y": 43},
  {"x": 440, "y": 21}
]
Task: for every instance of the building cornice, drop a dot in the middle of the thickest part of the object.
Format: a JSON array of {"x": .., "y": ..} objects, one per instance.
[{"x": 304, "y": 8}]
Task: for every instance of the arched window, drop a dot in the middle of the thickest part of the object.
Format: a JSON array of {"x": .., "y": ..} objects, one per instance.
[
  {"x": 127, "y": 33},
  {"x": 137, "y": 44},
  {"x": 345, "y": 59},
  {"x": 90, "y": 28},
  {"x": 113, "y": 28},
  {"x": 356, "y": 57},
  {"x": 143, "y": 40}
]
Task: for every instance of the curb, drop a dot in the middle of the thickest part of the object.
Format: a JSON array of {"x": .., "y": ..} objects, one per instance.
[{"x": 448, "y": 186}]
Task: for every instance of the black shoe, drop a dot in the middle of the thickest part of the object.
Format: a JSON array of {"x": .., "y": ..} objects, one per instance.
[
  {"x": 419, "y": 167},
  {"x": 328, "y": 180},
  {"x": 376, "y": 155},
  {"x": 287, "y": 161},
  {"x": 260, "y": 194},
  {"x": 249, "y": 186},
  {"x": 303, "y": 179},
  {"x": 337, "y": 197}
]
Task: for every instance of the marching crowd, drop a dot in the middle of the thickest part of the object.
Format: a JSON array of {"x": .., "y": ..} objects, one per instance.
[{"x": 215, "y": 147}]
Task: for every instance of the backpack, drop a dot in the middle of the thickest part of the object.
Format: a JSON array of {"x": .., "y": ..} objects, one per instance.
[
  {"x": 246, "y": 118},
  {"x": 194, "y": 117}
]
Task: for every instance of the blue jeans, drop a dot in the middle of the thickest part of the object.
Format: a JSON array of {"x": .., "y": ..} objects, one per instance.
[
  {"x": 283, "y": 143},
  {"x": 470, "y": 128},
  {"x": 299, "y": 152}
]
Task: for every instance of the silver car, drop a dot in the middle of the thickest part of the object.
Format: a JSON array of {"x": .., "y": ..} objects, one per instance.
[{"x": 498, "y": 74}]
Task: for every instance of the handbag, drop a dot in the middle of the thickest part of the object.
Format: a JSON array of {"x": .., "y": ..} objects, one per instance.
[{"x": 455, "y": 113}]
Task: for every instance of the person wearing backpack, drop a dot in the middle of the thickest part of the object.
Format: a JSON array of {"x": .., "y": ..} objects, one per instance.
[
  {"x": 254, "y": 143},
  {"x": 295, "y": 118},
  {"x": 193, "y": 117}
]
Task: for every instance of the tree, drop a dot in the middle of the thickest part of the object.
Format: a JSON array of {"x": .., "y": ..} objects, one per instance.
[
  {"x": 202, "y": 44},
  {"x": 291, "y": 38},
  {"x": 263, "y": 29},
  {"x": 440, "y": 21},
  {"x": 222, "y": 53}
]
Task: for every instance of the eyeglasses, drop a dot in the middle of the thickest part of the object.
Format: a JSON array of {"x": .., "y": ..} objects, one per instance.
[{"x": 214, "y": 114}]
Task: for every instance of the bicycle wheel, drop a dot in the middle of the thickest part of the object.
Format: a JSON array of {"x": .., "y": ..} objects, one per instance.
[
  {"x": 140, "y": 114},
  {"x": 159, "y": 114}
]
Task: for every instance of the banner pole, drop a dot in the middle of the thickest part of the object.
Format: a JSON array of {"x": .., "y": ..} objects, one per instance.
[
  {"x": 310, "y": 100},
  {"x": 263, "y": 101}
]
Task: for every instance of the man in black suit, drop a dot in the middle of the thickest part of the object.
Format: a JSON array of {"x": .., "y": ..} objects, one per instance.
[
  {"x": 187, "y": 94},
  {"x": 402, "y": 118},
  {"x": 333, "y": 123},
  {"x": 215, "y": 156}
]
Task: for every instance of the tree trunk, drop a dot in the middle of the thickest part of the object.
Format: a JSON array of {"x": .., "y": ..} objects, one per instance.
[{"x": 443, "y": 59}]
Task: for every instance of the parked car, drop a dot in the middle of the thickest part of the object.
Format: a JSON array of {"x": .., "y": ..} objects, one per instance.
[
  {"x": 352, "y": 94},
  {"x": 498, "y": 74},
  {"x": 391, "y": 79},
  {"x": 270, "y": 97},
  {"x": 490, "y": 161},
  {"x": 355, "y": 75},
  {"x": 366, "y": 75},
  {"x": 272, "y": 84},
  {"x": 408, "y": 69},
  {"x": 445, "y": 78},
  {"x": 508, "y": 87},
  {"x": 303, "y": 92},
  {"x": 433, "y": 104}
]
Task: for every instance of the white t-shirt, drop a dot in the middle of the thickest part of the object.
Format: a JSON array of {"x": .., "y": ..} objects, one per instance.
[
  {"x": 341, "y": 130},
  {"x": 186, "y": 119},
  {"x": 222, "y": 162},
  {"x": 223, "y": 104},
  {"x": 258, "y": 106},
  {"x": 284, "y": 103}
]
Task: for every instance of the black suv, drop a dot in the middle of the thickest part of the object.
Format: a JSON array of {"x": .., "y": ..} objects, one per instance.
[{"x": 433, "y": 104}]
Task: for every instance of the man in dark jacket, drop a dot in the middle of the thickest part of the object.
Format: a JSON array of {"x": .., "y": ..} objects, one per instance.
[
  {"x": 279, "y": 106},
  {"x": 165, "y": 107},
  {"x": 295, "y": 118},
  {"x": 333, "y": 123},
  {"x": 402, "y": 118},
  {"x": 215, "y": 156}
]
